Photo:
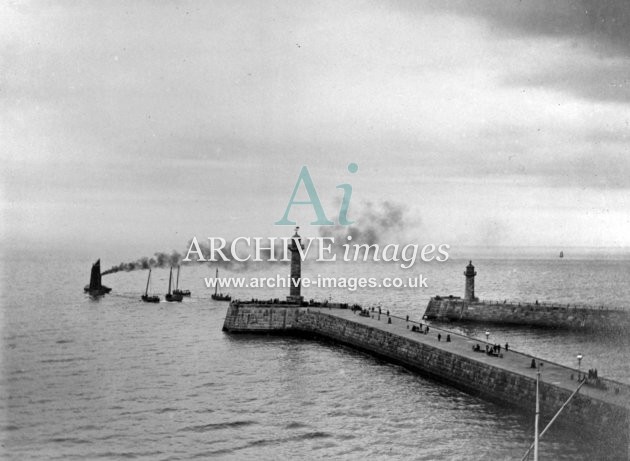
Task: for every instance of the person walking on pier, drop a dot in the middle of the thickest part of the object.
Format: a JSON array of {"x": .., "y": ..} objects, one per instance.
[{"x": 439, "y": 337}]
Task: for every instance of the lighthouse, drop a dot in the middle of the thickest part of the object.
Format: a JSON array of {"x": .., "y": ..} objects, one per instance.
[
  {"x": 296, "y": 269},
  {"x": 470, "y": 282}
]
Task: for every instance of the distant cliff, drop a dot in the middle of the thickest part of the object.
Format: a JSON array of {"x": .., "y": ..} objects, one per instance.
[{"x": 456, "y": 309}]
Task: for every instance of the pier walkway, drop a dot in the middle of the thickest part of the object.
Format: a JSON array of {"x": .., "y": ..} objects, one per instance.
[{"x": 615, "y": 393}]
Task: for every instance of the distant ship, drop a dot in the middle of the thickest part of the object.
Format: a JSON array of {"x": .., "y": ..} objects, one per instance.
[
  {"x": 145, "y": 297},
  {"x": 219, "y": 296},
  {"x": 561, "y": 254},
  {"x": 177, "y": 291},
  {"x": 95, "y": 288},
  {"x": 172, "y": 296}
]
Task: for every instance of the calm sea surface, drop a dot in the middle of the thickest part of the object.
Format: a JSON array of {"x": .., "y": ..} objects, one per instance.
[{"x": 115, "y": 378}]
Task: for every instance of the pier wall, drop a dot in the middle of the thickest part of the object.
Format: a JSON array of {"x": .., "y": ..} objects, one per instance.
[
  {"x": 476, "y": 377},
  {"x": 540, "y": 315},
  {"x": 253, "y": 318}
]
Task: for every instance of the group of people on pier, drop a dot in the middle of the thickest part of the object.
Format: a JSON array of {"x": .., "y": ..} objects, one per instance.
[
  {"x": 420, "y": 329},
  {"x": 493, "y": 350}
]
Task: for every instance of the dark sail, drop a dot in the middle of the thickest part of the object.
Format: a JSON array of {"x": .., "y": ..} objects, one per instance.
[
  {"x": 95, "y": 276},
  {"x": 96, "y": 288}
]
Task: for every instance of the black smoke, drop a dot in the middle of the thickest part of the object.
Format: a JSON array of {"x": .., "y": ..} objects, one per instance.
[
  {"x": 157, "y": 260},
  {"x": 376, "y": 223}
]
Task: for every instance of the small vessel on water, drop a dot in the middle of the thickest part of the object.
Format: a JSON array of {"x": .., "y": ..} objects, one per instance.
[
  {"x": 170, "y": 297},
  {"x": 561, "y": 254},
  {"x": 177, "y": 291},
  {"x": 96, "y": 288},
  {"x": 145, "y": 297},
  {"x": 219, "y": 296}
]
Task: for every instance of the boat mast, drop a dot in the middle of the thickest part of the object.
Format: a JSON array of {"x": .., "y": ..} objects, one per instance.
[
  {"x": 177, "y": 283},
  {"x": 216, "y": 279},
  {"x": 170, "y": 277},
  {"x": 146, "y": 292}
]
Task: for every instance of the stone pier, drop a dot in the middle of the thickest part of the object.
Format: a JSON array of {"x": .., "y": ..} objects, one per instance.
[{"x": 602, "y": 409}]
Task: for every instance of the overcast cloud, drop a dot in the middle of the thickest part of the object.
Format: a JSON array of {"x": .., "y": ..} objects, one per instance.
[{"x": 145, "y": 123}]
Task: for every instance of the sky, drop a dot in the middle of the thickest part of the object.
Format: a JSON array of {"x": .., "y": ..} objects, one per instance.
[{"x": 130, "y": 127}]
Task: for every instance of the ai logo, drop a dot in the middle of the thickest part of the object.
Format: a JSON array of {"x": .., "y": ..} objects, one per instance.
[{"x": 305, "y": 178}]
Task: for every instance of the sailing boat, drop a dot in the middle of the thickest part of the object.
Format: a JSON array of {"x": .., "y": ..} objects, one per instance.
[
  {"x": 177, "y": 291},
  {"x": 219, "y": 296},
  {"x": 145, "y": 297},
  {"x": 172, "y": 297},
  {"x": 95, "y": 288}
]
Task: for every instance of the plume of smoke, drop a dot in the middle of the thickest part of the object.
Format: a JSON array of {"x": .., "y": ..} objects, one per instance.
[
  {"x": 376, "y": 223},
  {"x": 174, "y": 259},
  {"x": 384, "y": 222},
  {"x": 242, "y": 251},
  {"x": 158, "y": 260}
]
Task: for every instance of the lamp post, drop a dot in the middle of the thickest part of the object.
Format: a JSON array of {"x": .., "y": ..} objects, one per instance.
[
  {"x": 537, "y": 418},
  {"x": 579, "y": 359}
]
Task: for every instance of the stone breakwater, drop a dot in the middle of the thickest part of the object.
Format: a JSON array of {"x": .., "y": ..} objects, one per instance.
[
  {"x": 455, "y": 309},
  {"x": 602, "y": 408}
]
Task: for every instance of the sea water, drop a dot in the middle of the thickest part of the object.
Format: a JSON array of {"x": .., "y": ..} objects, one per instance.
[{"x": 115, "y": 378}]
